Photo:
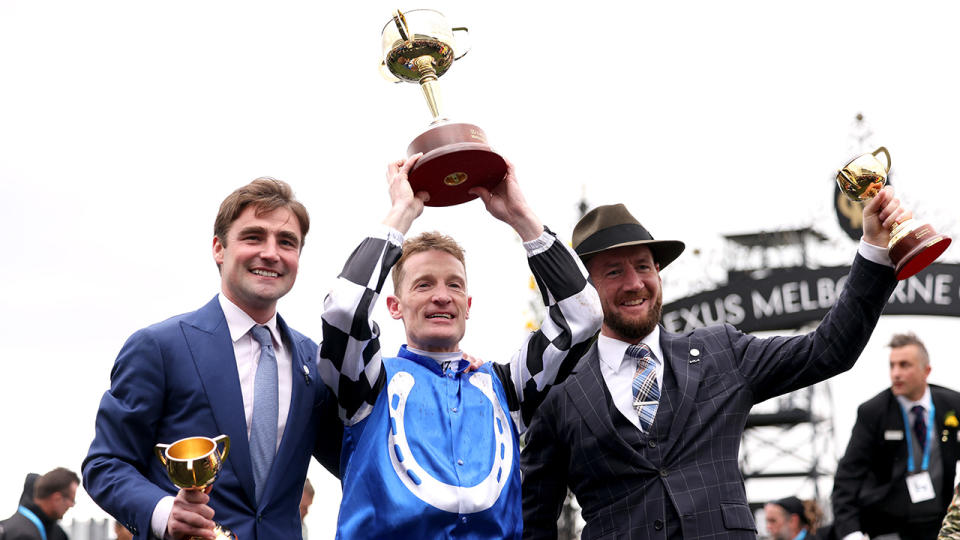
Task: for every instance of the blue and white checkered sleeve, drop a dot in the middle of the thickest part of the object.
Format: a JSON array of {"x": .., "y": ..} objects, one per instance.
[
  {"x": 350, "y": 363},
  {"x": 573, "y": 317}
]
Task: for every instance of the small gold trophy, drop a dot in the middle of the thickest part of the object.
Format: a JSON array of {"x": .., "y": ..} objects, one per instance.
[
  {"x": 914, "y": 245},
  {"x": 419, "y": 46},
  {"x": 194, "y": 463}
]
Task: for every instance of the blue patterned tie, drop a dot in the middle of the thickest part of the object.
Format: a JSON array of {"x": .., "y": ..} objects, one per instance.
[
  {"x": 920, "y": 426},
  {"x": 646, "y": 391},
  {"x": 266, "y": 397}
]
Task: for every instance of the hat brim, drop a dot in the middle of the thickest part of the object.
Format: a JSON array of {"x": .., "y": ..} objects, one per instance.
[{"x": 664, "y": 251}]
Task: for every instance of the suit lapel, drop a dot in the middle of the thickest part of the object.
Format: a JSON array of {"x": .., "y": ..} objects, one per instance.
[
  {"x": 209, "y": 341},
  {"x": 587, "y": 389},
  {"x": 683, "y": 359}
]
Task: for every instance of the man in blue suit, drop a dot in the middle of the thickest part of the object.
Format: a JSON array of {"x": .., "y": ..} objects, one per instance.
[
  {"x": 233, "y": 367},
  {"x": 646, "y": 431}
]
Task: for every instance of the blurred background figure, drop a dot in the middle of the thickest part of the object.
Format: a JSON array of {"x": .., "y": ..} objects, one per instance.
[
  {"x": 792, "y": 519},
  {"x": 121, "y": 531},
  {"x": 897, "y": 475},
  {"x": 305, "y": 501},
  {"x": 44, "y": 501}
]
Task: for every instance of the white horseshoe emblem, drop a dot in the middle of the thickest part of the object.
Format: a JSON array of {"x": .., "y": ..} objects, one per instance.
[{"x": 456, "y": 499}]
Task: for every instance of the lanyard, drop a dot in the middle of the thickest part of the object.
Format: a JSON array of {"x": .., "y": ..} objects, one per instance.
[
  {"x": 926, "y": 451},
  {"x": 36, "y": 521},
  {"x": 801, "y": 535}
]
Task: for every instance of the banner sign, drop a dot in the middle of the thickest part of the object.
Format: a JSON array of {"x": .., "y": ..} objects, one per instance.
[{"x": 788, "y": 298}]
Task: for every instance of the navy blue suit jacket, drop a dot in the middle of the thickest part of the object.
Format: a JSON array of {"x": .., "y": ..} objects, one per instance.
[
  {"x": 684, "y": 478},
  {"x": 179, "y": 378}
]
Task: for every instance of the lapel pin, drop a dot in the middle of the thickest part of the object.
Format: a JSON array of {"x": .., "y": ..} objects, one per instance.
[
  {"x": 306, "y": 374},
  {"x": 694, "y": 356}
]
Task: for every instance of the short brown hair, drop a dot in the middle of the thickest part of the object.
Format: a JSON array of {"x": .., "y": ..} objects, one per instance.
[
  {"x": 425, "y": 242},
  {"x": 909, "y": 338},
  {"x": 266, "y": 194},
  {"x": 59, "y": 479}
]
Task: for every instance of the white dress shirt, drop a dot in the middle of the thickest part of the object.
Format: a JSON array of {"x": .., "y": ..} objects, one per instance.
[
  {"x": 618, "y": 371},
  {"x": 246, "y": 351}
]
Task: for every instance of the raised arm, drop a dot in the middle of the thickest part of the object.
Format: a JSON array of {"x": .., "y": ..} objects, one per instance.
[
  {"x": 350, "y": 361},
  {"x": 573, "y": 312}
]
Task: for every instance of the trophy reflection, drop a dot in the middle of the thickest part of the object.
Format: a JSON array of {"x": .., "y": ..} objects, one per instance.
[
  {"x": 419, "y": 46},
  {"x": 194, "y": 463},
  {"x": 914, "y": 245}
]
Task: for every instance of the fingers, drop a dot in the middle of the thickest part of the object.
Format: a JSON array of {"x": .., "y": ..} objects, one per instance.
[
  {"x": 475, "y": 363},
  {"x": 190, "y": 515},
  {"x": 483, "y": 193},
  {"x": 401, "y": 166}
]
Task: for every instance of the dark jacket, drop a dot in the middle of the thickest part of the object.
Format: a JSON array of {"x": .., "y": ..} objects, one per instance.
[
  {"x": 19, "y": 527},
  {"x": 869, "y": 491},
  {"x": 682, "y": 480}
]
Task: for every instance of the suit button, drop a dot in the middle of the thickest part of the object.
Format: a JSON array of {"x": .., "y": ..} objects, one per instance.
[
  {"x": 652, "y": 443},
  {"x": 663, "y": 473},
  {"x": 657, "y": 524}
]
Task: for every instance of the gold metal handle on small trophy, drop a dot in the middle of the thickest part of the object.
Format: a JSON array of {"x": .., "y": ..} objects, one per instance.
[
  {"x": 226, "y": 445},
  {"x": 465, "y": 30},
  {"x": 159, "y": 449},
  {"x": 402, "y": 27},
  {"x": 883, "y": 150}
]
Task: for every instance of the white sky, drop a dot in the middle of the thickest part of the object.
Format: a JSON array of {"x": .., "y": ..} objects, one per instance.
[{"x": 124, "y": 124}]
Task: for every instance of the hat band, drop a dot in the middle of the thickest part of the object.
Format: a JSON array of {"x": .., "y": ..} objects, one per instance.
[{"x": 612, "y": 236}]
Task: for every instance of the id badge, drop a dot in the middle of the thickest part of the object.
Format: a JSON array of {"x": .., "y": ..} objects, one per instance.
[{"x": 920, "y": 487}]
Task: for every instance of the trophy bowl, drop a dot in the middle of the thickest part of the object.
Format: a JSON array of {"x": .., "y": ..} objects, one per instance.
[
  {"x": 418, "y": 47},
  {"x": 194, "y": 463},
  {"x": 913, "y": 245}
]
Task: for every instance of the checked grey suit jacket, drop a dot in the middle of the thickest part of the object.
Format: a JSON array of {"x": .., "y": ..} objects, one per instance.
[{"x": 683, "y": 479}]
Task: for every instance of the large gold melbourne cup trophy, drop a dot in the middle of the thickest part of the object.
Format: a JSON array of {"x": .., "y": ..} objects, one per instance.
[
  {"x": 419, "y": 47},
  {"x": 914, "y": 245},
  {"x": 194, "y": 463}
]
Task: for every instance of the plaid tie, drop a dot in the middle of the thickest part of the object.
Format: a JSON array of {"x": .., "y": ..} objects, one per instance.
[
  {"x": 920, "y": 426},
  {"x": 646, "y": 391},
  {"x": 266, "y": 397}
]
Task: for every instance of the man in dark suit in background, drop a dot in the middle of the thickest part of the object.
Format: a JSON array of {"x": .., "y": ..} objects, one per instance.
[
  {"x": 233, "y": 367},
  {"x": 897, "y": 474},
  {"x": 44, "y": 501},
  {"x": 646, "y": 432}
]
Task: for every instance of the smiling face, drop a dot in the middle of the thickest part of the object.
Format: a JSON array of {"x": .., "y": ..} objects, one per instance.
[
  {"x": 908, "y": 372},
  {"x": 628, "y": 282},
  {"x": 259, "y": 260},
  {"x": 431, "y": 299}
]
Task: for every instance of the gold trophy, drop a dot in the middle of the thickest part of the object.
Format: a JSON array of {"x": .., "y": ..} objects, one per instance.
[
  {"x": 419, "y": 46},
  {"x": 194, "y": 463},
  {"x": 914, "y": 245}
]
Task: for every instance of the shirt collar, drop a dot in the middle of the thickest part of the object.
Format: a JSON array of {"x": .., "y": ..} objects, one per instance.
[
  {"x": 924, "y": 401},
  {"x": 612, "y": 350},
  {"x": 239, "y": 323}
]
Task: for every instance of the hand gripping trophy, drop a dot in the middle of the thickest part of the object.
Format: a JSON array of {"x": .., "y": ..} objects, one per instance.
[
  {"x": 913, "y": 245},
  {"x": 418, "y": 46},
  {"x": 194, "y": 463}
]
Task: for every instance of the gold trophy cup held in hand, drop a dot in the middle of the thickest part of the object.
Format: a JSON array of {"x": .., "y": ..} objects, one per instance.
[
  {"x": 194, "y": 463},
  {"x": 418, "y": 47},
  {"x": 914, "y": 245}
]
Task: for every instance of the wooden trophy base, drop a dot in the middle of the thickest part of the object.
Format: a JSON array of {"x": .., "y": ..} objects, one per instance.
[
  {"x": 455, "y": 158},
  {"x": 917, "y": 250}
]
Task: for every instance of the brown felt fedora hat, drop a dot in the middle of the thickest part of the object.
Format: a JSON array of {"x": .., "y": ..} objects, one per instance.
[{"x": 612, "y": 226}]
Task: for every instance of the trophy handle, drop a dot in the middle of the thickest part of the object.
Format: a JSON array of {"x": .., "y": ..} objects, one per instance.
[
  {"x": 159, "y": 449},
  {"x": 463, "y": 29},
  {"x": 402, "y": 27},
  {"x": 883, "y": 150},
  {"x": 226, "y": 445}
]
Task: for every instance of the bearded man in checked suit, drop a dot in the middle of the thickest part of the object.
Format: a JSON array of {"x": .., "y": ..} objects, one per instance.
[{"x": 662, "y": 463}]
